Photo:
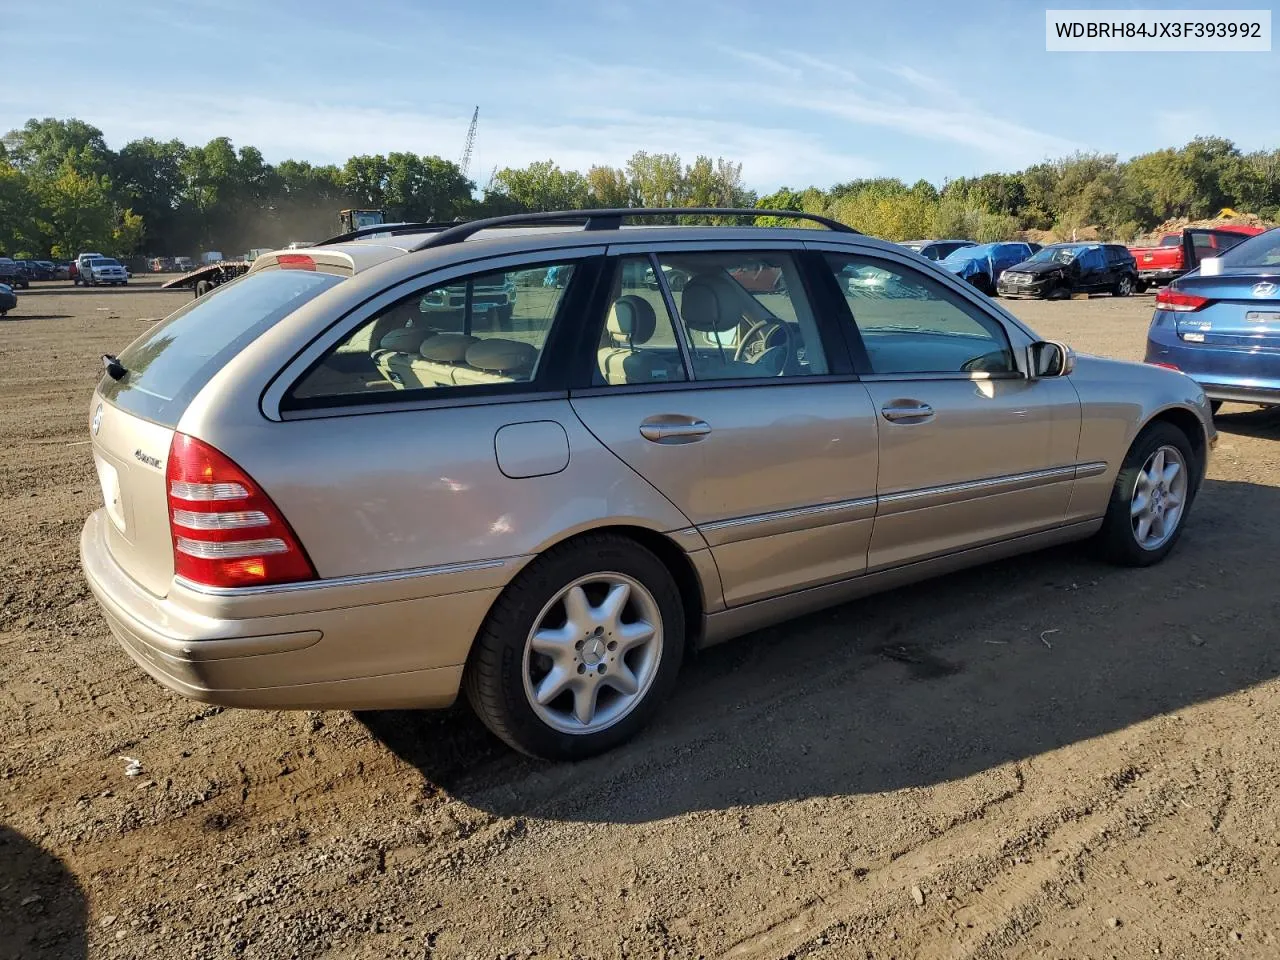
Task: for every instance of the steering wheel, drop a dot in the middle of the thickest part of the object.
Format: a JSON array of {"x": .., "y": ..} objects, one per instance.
[{"x": 756, "y": 346}]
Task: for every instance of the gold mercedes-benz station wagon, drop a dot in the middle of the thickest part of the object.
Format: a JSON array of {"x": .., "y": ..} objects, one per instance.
[{"x": 541, "y": 457}]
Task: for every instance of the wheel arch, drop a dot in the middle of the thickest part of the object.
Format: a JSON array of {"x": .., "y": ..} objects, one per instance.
[
  {"x": 1190, "y": 424},
  {"x": 697, "y": 595}
]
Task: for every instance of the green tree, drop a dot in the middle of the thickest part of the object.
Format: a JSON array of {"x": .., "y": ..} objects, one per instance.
[
  {"x": 542, "y": 186},
  {"x": 608, "y": 187},
  {"x": 78, "y": 214},
  {"x": 41, "y": 147},
  {"x": 657, "y": 179},
  {"x": 149, "y": 180}
]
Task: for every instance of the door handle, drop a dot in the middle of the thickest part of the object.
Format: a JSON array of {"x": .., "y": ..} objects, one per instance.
[
  {"x": 907, "y": 411},
  {"x": 683, "y": 430}
]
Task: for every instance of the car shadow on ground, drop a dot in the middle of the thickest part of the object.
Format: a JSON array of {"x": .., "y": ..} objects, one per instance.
[
  {"x": 43, "y": 913},
  {"x": 35, "y": 316},
  {"x": 1260, "y": 422},
  {"x": 924, "y": 685}
]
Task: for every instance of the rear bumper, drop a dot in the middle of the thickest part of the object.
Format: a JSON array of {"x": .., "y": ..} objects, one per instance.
[
  {"x": 1224, "y": 372},
  {"x": 336, "y": 654},
  {"x": 1155, "y": 276},
  {"x": 1266, "y": 396}
]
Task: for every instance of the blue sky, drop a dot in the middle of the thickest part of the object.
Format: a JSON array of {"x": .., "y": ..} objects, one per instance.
[{"x": 800, "y": 92}]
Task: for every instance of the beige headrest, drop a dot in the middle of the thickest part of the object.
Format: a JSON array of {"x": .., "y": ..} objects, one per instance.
[
  {"x": 502, "y": 356},
  {"x": 404, "y": 339},
  {"x": 702, "y": 310},
  {"x": 446, "y": 347},
  {"x": 632, "y": 319}
]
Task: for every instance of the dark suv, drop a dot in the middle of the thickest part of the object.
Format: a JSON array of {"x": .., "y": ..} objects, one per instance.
[
  {"x": 1061, "y": 269},
  {"x": 12, "y": 274}
]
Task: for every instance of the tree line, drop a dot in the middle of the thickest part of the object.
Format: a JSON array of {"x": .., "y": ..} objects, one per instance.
[{"x": 63, "y": 190}]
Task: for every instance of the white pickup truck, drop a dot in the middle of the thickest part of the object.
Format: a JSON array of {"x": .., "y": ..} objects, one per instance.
[{"x": 95, "y": 270}]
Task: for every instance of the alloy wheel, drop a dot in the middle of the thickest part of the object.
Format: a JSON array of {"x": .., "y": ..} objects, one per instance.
[
  {"x": 1159, "y": 498},
  {"x": 593, "y": 653}
]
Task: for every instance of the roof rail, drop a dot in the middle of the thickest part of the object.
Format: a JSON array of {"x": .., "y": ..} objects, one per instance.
[
  {"x": 391, "y": 229},
  {"x": 611, "y": 219}
]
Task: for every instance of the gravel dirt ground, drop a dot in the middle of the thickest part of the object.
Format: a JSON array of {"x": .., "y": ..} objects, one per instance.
[{"x": 1050, "y": 757}]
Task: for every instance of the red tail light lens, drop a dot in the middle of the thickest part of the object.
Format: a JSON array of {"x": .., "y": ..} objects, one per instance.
[
  {"x": 226, "y": 531},
  {"x": 295, "y": 261},
  {"x": 1167, "y": 366},
  {"x": 1179, "y": 302}
]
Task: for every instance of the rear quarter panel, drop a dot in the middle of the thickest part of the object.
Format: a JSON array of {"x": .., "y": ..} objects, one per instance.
[{"x": 1117, "y": 400}]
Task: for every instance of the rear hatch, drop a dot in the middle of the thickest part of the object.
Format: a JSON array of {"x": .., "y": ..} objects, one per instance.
[
  {"x": 1242, "y": 312},
  {"x": 135, "y": 411}
]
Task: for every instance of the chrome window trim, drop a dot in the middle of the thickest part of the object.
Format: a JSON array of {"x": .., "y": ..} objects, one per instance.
[
  {"x": 347, "y": 581},
  {"x": 425, "y": 403}
]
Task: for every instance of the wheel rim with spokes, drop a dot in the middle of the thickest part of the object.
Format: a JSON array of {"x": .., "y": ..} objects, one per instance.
[
  {"x": 1126, "y": 286},
  {"x": 1159, "y": 498},
  {"x": 593, "y": 653}
]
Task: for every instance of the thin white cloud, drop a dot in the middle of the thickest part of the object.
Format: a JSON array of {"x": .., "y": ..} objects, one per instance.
[
  {"x": 937, "y": 112},
  {"x": 759, "y": 60}
]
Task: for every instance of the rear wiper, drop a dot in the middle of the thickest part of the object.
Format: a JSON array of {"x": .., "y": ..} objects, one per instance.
[{"x": 115, "y": 369}]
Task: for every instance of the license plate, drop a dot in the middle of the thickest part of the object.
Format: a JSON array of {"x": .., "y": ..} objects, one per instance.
[
  {"x": 1260, "y": 316},
  {"x": 481, "y": 307},
  {"x": 109, "y": 480}
]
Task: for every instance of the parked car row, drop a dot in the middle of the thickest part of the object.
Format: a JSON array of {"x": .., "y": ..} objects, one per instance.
[{"x": 1018, "y": 269}]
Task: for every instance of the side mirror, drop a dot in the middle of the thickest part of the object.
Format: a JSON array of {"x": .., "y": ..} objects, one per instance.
[{"x": 1049, "y": 358}]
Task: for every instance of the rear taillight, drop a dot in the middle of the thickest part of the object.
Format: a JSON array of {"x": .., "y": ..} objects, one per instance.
[
  {"x": 295, "y": 261},
  {"x": 1179, "y": 302},
  {"x": 1167, "y": 366},
  {"x": 226, "y": 532}
]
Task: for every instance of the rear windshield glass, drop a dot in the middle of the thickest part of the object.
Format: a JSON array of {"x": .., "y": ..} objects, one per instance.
[
  {"x": 170, "y": 364},
  {"x": 1260, "y": 251}
]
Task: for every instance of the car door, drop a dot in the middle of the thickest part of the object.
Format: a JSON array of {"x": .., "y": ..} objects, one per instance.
[
  {"x": 1095, "y": 269},
  {"x": 972, "y": 451},
  {"x": 740, "y": 409}
]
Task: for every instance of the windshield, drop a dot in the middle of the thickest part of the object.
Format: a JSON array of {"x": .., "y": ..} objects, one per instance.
[
  {"x": 1260, "y": 251},
  {"x": 1057, "y": 255},
  {"x": 964, "y": 254},
  {"x": 171, "y": 363}
]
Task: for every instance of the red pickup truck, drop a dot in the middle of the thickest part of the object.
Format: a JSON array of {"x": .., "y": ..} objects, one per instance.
[{"x": 1160, "y": 264}]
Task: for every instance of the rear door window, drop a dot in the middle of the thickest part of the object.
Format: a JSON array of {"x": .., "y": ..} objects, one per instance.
[
  {"x": 169, "y": 365},
  {"x": 478, "y": 334}
]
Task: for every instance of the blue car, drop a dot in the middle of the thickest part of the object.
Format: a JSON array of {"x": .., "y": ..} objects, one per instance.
[
  {"x": 1220, "y": 323},
  {"x": 983, "y": 263}
]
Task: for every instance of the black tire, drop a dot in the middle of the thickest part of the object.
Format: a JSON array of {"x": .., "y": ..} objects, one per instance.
[
  {"x": 494, "y": 678},
  {"x": 1117, "y": 539},
  {"x": 1061, "y": 292},
  {"x": 1124, "y": 286},
  {"x": 203, "y": 287}
]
